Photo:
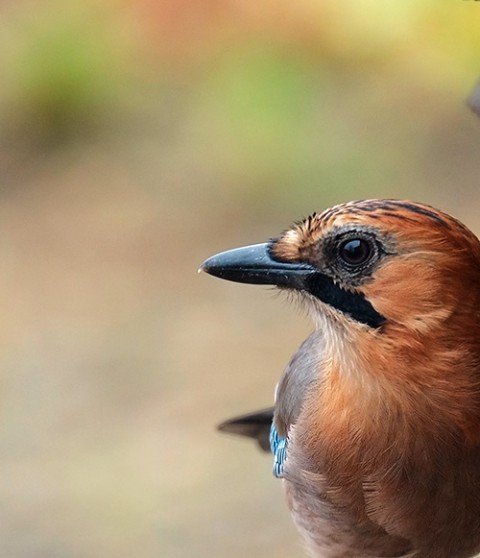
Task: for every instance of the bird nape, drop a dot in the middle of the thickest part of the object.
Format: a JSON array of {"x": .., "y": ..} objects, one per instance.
[{"x": 376, "y": 423}]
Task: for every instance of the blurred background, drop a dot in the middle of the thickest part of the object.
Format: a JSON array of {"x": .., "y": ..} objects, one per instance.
[{"x": 137, "y": 138}]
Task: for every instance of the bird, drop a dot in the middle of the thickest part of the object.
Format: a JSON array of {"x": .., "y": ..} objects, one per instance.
[{"x": 375, "y": 428}]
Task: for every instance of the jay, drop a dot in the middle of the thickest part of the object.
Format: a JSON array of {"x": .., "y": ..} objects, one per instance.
[{"x": 376, "y": 425}]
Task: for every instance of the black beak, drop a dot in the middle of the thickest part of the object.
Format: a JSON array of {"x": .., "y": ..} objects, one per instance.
[{"x": 254, "y": 264}]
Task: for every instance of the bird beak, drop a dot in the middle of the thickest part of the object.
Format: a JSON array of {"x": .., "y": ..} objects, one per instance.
[{"x": 254, "y": 264}]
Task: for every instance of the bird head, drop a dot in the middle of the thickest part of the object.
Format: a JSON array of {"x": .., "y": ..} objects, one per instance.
[{"x": 381, "y": 266}]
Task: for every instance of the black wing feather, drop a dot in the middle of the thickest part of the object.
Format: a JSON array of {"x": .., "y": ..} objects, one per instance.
[{"x": 254, "y": 425}]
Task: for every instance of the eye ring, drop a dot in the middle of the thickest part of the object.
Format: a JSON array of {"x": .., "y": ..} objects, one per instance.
[{"x": 355, "y": 252}]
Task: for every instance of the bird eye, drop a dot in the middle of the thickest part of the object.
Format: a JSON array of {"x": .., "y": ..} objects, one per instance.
[{"x": 355, "y": 251}]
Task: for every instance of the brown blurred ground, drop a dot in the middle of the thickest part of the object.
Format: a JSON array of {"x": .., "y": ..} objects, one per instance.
[{"x": 137, "y": 139}]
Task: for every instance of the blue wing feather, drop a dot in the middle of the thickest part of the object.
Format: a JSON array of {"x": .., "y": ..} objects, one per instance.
[{"x": 278, "y": 445}]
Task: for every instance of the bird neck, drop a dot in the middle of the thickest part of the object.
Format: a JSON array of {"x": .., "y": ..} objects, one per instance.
[{"x": 388, "y": 383}]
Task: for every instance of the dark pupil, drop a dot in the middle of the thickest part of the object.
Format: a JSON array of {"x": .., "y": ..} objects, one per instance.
[{"x": 355, "y": 251}]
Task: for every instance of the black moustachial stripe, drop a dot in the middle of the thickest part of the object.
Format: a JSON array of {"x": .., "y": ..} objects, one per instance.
[{"x": 352, "y": 304}]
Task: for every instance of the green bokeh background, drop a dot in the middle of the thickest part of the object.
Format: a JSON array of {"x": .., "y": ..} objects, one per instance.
[{"x": 137, "y": 138}]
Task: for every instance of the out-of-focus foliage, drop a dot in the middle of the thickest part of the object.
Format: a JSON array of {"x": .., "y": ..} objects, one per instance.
[
  {"x": 63, "y": 71},
  {"x": 137, "y": 138}
]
